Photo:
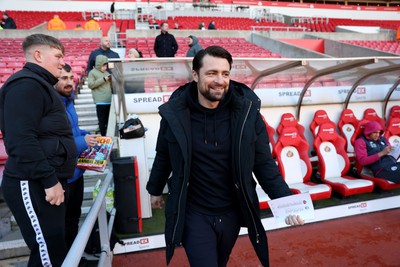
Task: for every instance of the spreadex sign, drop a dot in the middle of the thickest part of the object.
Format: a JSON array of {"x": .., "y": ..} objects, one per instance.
[
  {"x": 273, "y": 97},
  {"x": 140, "y": 243}
]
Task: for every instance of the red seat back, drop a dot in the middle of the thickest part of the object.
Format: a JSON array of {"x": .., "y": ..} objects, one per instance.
[
  {"x": 394, "y": 112},
  {"x": 371, "y": 115},
  {"x": 347, "y": 125},
  {"x": 291, "y": 151},
  {"x": 392, "y": 133},
  {"x": 271, "y": 133},
  {"x": 326, "y": 142},
  {"x": 320, "y": 117},
  {"x": 288, "y": 120}
]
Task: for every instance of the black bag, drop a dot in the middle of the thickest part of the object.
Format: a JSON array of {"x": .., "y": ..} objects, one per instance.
[
  {"x": 93, "y": 245},
  {"x": 133, "y": 128}
]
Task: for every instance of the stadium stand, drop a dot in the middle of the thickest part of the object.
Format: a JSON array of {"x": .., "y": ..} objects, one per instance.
[
  {"x": 222, "y": 23},
  {"x": 77, "y": 52},
  {"x": 329, "y": 25},
  {"x": 238, "y": 47},
  {"x": 386, "y": 46}
]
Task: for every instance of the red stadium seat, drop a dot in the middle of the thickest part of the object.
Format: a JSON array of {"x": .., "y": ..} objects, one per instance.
[
  {"x": 271, "y": 133},
  {"x": 334, "y": 163},
  {"x": 371, "y": 115},
  {"x": 288, "y": 120},
  {"x": 347, "y": 126},
  {"x": 294, "y": 164},
  {"x": 392, "y": 133},
  {"x": 394, "y": 112},
  {"x": 320, "y": 117}
]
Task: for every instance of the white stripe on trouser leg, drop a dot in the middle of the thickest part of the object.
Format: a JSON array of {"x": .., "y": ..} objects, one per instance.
[{"x": 26, "y": 198}]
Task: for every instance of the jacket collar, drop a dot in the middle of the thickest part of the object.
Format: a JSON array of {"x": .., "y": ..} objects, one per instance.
[{"x": 42, "y": 72}]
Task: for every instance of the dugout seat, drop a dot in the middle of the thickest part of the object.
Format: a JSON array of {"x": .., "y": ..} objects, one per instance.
[
  {"x": 288, "y": 120},
  {"x": 394, "y": 112},
  {"x": 334, "y": 163},
  {"x": 371, "y": 115},
  {"x": 294, "y": 164},
  {"x": 320, "y": 117},
  {"x": 347, "y": 126},
  {"x": 271, "y": 135}
]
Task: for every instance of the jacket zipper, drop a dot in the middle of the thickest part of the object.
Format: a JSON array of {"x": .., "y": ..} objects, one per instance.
[
  {"x": 240, "y": 172},
  {"x": 179, "y": 209}
]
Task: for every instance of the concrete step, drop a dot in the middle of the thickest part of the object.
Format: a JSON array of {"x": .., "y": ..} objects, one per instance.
[
  {"x": 85, "y": 107},
  {"x": 83, "y": 101},
  {"x": 85, "y": 91},
  {"x": 86, "y": 113},
  {"x": 84, "y": 96},
  {"x": 90, "y": 128},
  {"x": 88, "y": 121}
]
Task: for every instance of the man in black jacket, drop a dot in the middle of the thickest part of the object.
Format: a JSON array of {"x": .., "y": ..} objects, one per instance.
[
  {"x": 165, "y": 44},
  {"x": 104, "y": 49},
  {"x": 41, "y": 150},
  {"x": 212, "y": 138}
]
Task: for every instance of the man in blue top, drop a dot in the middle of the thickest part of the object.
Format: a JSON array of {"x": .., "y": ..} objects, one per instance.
[{"x": 83, "y": 139}]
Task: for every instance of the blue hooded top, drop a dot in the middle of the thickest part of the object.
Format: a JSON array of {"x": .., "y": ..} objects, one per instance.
[{"x": 79, "y": 135}]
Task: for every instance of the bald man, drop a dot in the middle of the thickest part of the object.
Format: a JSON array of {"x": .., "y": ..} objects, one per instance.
[
  {"x": 41, "y": 150},
  {"x": 104, "y": 49}
]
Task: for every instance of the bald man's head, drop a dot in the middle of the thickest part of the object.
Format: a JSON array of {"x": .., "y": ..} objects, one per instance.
[{"x": 105, "y": 43}]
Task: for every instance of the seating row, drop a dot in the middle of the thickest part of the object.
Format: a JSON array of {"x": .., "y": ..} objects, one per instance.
[
  {"x": 331, "y": 24},
  {"x": 334, "y": 150},
  {"x": 221, "y": 23},
  {"x": 238, "y": 47},
  {"x": 386, "y": 46}
]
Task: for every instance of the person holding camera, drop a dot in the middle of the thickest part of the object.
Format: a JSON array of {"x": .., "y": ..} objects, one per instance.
[{"x": 99, "y": 81}]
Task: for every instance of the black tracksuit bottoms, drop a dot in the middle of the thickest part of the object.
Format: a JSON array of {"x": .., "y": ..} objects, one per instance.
[
  {"x": 73, "y": 203},
  {"x": 208, "y": 239},
  {"x": 103, "y": 111},
  {"x": 42, "y": 225}
]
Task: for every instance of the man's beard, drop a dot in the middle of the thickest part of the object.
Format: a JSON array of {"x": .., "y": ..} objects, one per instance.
[
  {"x": 207, "y": 95},
  {"x": 67, "y": 94}
]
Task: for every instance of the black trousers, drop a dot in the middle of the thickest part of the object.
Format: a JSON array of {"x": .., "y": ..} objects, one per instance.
[
  {"x": 103, "y": 112},
  {"x": 42, "y": 225},
  {"x": 391, "y": 175},
  {"x": 73, "y": 210},
  {"x": 208, "y": 240}
]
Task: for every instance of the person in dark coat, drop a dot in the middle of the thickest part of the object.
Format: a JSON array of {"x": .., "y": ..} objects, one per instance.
[
  {"x": 41, "y": 150},
  {"x": 165, "y": 44},
  {"x": 194, "y": 46},
  {"x": 212, "y": 139},
  {"x": 104, "y": 49},
  {"x": 211, "y": 26},
  {"x": 7, "y": 22},
  {"x": 112, "y": 8}
]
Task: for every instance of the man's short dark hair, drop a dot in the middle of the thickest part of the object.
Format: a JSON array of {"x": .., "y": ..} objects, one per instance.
[
  {"x": 214, "y": 51},
  {"x": 41, "y": 39},
  {"x": 163, "y": 23},
  {"x": 67, "y": 67}
]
